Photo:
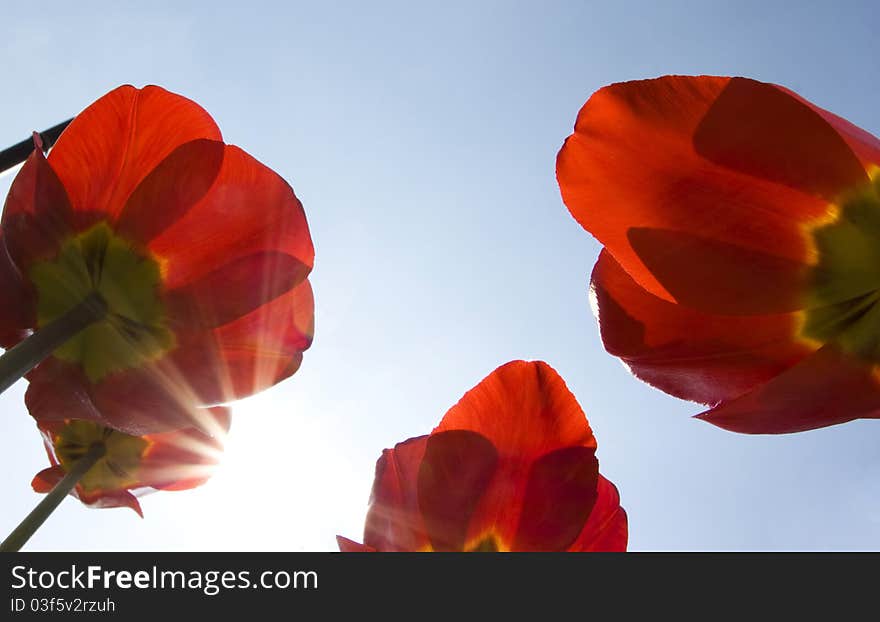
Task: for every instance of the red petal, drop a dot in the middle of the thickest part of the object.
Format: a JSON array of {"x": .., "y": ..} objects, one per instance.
[
  {"x": 736, "y": 162},
  {"x": 45, "y": 480},
  {"x": 864, "y": 145},
  {"x": 761, "y": 130},
  {"x": 606, "y": 529},
  {"x": 184, "y": 459},
  {"x": 453, "y": 475},
  {"x": 231, "y": 362},
  {"x": 58, "y": 390},
  {"x": 350, "y": 546},
  {"x": 524, "y": 409},
  {"x": 394, "y": 522},
  {"x": 135, "y": 401},
  {"x": 265, "y": 347},
  {"x": 170, "y": 190},
  {"x": 249, "y": 354},
  {"x": 717, "y": 277},
  {"x": 560, "y": 495},
  {"x": 155, "y": 399},
  {"x": 112, "y": 145},
  {"x": 110, "y": 499},
  {"x": 17, "y": 315},
  {"x": 233, "y": 290},
  {"x": 824, "y": 389},
  {"x": 248, "y": 210},
  {"x": 692, "y": 355},
  {"x": 37, "y": 213}
]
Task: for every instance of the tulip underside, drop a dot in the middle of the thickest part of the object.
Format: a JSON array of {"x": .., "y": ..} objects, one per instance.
[
  {"x": 116, "y": 470},
  {"x": 134, "y": 329}
]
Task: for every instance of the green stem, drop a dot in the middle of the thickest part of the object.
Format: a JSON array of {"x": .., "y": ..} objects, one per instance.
[
  {"x": 19, "y": 360},
  {"x": 39, "y": 514}
]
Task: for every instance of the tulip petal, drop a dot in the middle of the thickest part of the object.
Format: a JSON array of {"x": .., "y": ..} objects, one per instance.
[
  {"x": 690, "y": 155},
  {"x": 152, "y": 400},
  {"x": 525, "y": 410},
  {"x": 37, "y": 215},
  {"x": 248, "y": 355},
  {"x": 559, "y": 497},
  {"x": 453, "y": 475},
  {"x": 393, "y": 520},
  {"x": 231, "y": 291},
  {"x": 48, "y": 478},
  {"x": 692, "y": 355},
  {"x": 58, "y": 390},
  {"x": 112, "y": 145},
  {"x": 827, "y": 388},
  {"x": 109, "y": 499},
  {"x": 864, "y": 145},
  {"x": 15, "y": 319},
  {"x": 728, "y": 279},
  {"x": 170, "y": 190},
  {"x": 761, "y": 130},
  {"x": 248, "y": 210},
  {"x": 45, "y": 480},
  {"x": 185, "y": 459},
  {"x": 264, "y": 347},
  {"x": 350, "y": 546},
  {"x": 606, "y": 529}
]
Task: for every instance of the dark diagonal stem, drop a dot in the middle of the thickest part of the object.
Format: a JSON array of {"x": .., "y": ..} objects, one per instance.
[
  {"x": 21, "y": 534},
  {"x": 18, "y": 153}
]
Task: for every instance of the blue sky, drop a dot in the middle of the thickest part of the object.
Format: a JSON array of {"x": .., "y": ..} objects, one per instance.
[{"x": 422, "y": 142}]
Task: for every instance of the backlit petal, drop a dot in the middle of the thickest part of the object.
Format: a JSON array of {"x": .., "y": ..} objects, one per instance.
[
  {"x": 184, "y": 459},
  {"x": 525, "y": 409},
  {"x": 18, "y": 315},
  {"x": 45, "y": 480},
  {"x": 394, "y": 522},
  {"x": 824, "y": 389},
  {"x": 170, "y": 190},
  {"x": 559, "y": 497},
  {"x": 247, "y": 355},
  {"x": 248, "y": 210},
  {"x": 109, "y": 499},
  {"x": 58, "y": 390},
  {"x": 702, "y": 167},
  {"x": 232, "y": 291},
  {"x": 692, "y": 355},
  {"x": 454, "y": 474},
  {"x": 606, "y": 529},
  {"x": 112, "y": 145},
  {"x": 350, "y": 546},
  {"x": 36, "y": 215},
  {"x": 864, "y": 145}
]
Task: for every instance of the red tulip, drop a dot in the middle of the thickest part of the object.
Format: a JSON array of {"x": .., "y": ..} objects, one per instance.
[
  {"x": 198, "y": 252},
  {"x": 741, "y": 267},
  {"x": 132, "y": 465},
  {"x": 511, "y": 467}
]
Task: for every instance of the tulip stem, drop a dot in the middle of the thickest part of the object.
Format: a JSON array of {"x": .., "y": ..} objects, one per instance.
[
  {"x": 23, "y": 357},
  {"x": 18, "y": 153},
  {"x": 44, "y": 509}
]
